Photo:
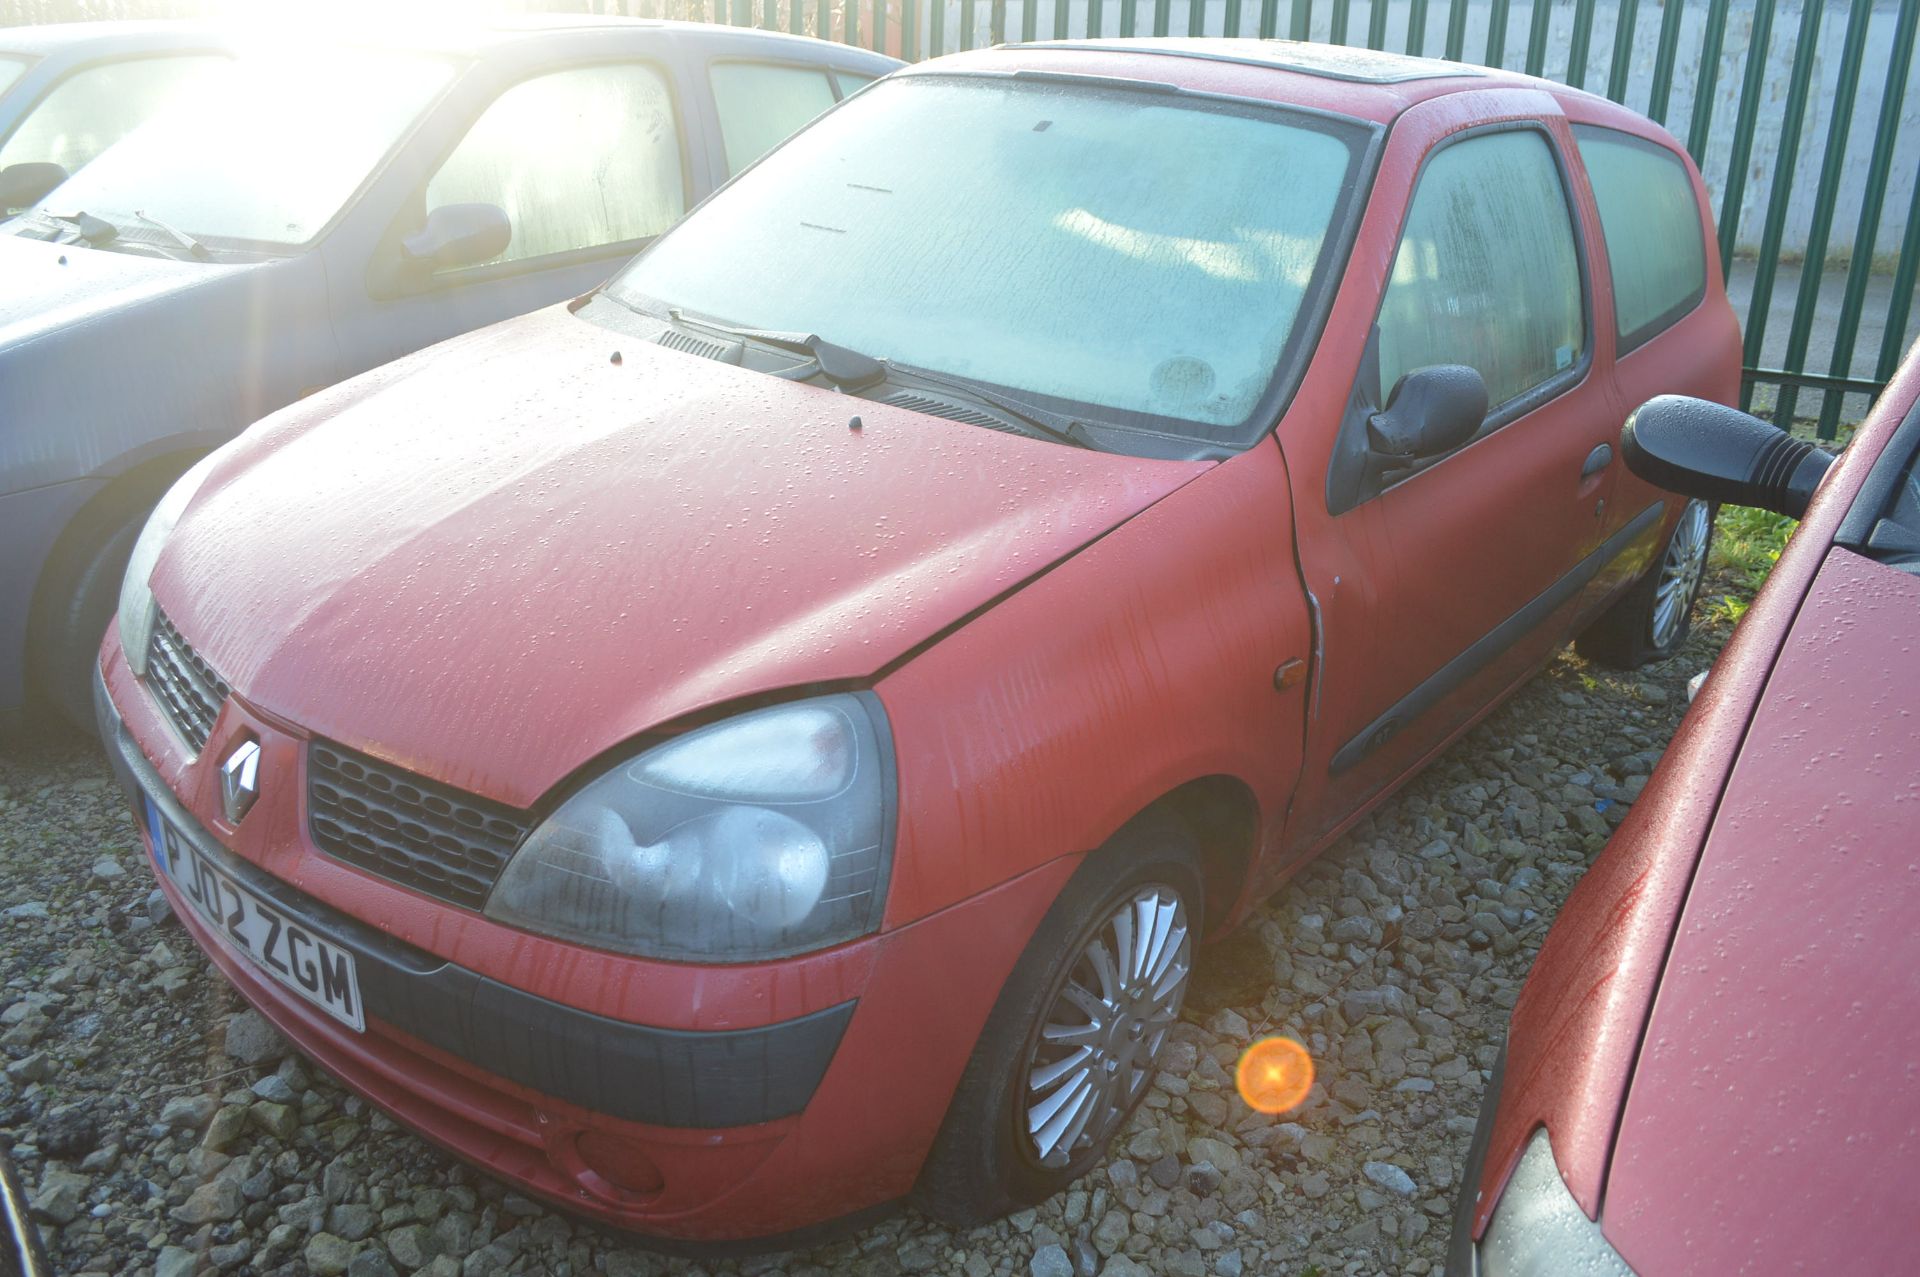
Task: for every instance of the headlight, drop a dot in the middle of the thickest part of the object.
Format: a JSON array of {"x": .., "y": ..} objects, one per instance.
[
  {"x": 1538, "y": 1230},
  {"x": 761, "y": 836},
  {"x": 137, "y": 611}
]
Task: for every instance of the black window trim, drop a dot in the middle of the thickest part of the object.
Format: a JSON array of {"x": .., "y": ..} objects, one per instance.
[
  {"x": 1624, "y": 342},
  {"x": 413, "y": 209},
  {"x": 1347, "y": 485}
]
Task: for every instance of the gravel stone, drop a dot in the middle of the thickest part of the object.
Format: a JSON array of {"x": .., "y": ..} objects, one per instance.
[
  {"x": 173, "y": 1261},
  {"x": 328, "y": 1255},
  {"x": 251, "y": 1040},
  {"x": 1390, "y": 1177},
  {"x": 60, "y": 1196},
  {"x": 1050, "y": 1261}
]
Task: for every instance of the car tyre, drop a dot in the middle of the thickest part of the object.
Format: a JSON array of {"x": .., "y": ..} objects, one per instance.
[
  {"x": 1652, "y": 620},
  {"x": 989, "y": 1158},
  {"x": 78, "y": 594}
]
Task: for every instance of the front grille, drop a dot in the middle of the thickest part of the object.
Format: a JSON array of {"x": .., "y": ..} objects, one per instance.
[
  {"x": 407, "y": 829},
  {"x": 189, "y": 692}
]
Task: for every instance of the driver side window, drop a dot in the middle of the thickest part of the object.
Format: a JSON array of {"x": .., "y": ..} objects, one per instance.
[
  {"x": 1488, "y": 271},
  {"x": 583, "y": 158}
]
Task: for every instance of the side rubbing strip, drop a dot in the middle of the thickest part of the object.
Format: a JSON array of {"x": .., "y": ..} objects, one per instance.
[{"x": 1484, "y": 649}]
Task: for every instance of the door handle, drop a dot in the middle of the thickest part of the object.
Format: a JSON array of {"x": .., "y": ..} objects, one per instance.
[{"x": 1597, "y": 460}]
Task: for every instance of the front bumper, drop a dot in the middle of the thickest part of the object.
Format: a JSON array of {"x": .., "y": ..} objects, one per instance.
[{"x": 758, "y": 1133}]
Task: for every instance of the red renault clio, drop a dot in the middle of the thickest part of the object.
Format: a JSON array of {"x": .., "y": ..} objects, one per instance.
[{"x": 762, "y": 741}]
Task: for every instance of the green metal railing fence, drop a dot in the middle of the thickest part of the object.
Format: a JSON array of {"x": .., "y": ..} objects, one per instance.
[
  {"x": 1829, "y": 300},
  {"x": 1797, "y": 112}
]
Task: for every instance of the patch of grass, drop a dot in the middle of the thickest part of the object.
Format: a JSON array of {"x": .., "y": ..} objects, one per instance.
[{"x": 1746, "y": 545}]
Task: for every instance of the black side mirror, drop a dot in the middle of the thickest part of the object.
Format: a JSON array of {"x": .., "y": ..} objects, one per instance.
[
  {"x": 24, "y": 185},
  {"x": 1431, "y": 411},
  {"x": 1711, "y": 451},
  {"x": 459, "y": 235}
]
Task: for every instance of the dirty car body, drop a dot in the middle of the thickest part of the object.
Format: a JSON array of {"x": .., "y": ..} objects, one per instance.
[
  {"x": 1708, "y": 1069},
  {"x": 275, "y": 234},
  {"x": 705, "y": 726}
]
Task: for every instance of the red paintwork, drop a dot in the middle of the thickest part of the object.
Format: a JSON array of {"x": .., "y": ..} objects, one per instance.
[
  {"x": 1771, "y": 1124},
  {"x": 500, "y": 562},
  {"x": 584, "y": 530},
  {"x": 1577, "y": 1026}
]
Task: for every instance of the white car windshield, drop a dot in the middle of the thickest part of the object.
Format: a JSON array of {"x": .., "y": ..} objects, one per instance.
[
  {"x": 267, "y": 150},
  {"x": 1137, "y": 256}
]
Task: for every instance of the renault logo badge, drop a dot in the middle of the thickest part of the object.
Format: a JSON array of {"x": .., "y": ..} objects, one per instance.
[{"x": 240, "y": 780}]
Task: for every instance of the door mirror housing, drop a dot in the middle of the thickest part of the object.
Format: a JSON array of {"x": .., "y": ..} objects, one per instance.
[
  {"x": 1708, "y": 450},
  {"x": 1430, "y": 412},
  {"x": 24, "y": 185},
  {"x": 458, "y": 235}
]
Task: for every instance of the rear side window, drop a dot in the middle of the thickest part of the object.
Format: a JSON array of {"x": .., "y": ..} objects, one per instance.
[
  {"x": 1651, "y": 221},
  {"x": 96, "y": 106},
  {"x": 578, "y": 159},
  {"x": 11, "y": 69},
  {"x": 1487, "y": 273},
  {"x": 761, "y": 103}
]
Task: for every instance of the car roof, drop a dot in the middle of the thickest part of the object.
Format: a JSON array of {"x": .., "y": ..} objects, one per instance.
[
  {"x": 102, "y": 39},
  {"x": 502, "y": 37},
  {"x": 1365, "y": 83},
  {"x": 506, "y": 36}
]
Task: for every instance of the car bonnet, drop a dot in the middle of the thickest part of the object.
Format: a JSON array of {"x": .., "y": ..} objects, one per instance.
[
  {"x": 1772, "y": 1121},
  {"x": 496, "y": 559}
]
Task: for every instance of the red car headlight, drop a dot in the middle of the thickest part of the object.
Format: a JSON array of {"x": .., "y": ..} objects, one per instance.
[
  {"x": 1538, "y": 1230},
  {"x": 761, "y": 836}
]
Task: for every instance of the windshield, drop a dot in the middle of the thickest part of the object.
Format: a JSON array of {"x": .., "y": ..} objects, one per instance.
[
  {"x": 267, "y": 151},
  {"x": 11, "y": 69},
  {"x": 1140, "y": 256}
]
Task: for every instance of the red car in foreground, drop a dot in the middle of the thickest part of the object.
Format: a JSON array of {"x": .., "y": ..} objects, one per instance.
[
  {"x": 1712, "y": 1068},
  {"x": 763, "y": 740}
]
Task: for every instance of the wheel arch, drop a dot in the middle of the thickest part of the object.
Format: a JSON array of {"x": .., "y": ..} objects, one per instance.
[
  {"x": 143, "y": 482},
  {"x": 1223, "y": 815}
]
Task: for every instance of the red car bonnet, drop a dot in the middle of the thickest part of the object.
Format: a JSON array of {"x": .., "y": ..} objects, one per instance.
[
  {"x": 1577, "y": 1026},
  {"x": 1772, "y": 1111},
  {"x": 492, "y": 561}
]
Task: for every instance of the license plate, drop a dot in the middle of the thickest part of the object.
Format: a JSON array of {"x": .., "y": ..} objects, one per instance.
[{"x": 314, "y": 968}]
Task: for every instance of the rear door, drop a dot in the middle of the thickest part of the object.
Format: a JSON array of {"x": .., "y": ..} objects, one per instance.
[
  {"x": 1437, "y": 588},
  {"x": 1671, "y": 327}
]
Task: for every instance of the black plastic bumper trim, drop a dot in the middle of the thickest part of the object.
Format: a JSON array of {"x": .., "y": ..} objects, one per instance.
[
  {"x": 662, "y": 1077},
  {"x": 1462, "y": 1259}
]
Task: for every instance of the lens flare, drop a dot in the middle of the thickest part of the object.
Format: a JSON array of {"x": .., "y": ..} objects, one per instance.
[{"x": 1274, "y": 1075}]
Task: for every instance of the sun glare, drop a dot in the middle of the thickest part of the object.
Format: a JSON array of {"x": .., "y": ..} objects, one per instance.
[
  {"x": 276, "y": 22},
  {"x": 1274, "y": 1075}
]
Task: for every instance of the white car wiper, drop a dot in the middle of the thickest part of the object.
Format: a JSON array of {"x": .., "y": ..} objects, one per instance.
[{"x": 194, "y": 247}]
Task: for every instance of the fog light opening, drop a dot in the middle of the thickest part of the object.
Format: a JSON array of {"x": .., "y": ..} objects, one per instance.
[{"x": 614, "y": 1169}]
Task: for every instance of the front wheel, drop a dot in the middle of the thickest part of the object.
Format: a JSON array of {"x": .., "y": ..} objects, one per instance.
[
  {"x": 1069, "y": 1049},
  {"x": 1653, "y": 619}
]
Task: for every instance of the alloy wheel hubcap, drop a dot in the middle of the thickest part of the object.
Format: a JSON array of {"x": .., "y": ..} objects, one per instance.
[
  {"x": 1108, "y": 1020},
  {"x": 1680, "y": 573}
]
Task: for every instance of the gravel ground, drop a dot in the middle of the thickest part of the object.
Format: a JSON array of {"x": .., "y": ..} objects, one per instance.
[{"x": 161, "y": 1128}]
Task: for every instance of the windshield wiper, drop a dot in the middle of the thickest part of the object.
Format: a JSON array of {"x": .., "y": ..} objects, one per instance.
[
  {"x": 84, "y": 227},
  {"x": 194, "y": 247},
  {"x": 849, "y": 369},
  {"x": 845, "y": 367}
]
